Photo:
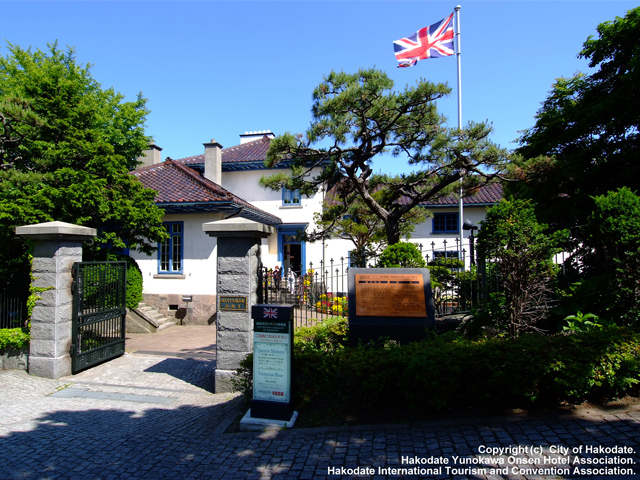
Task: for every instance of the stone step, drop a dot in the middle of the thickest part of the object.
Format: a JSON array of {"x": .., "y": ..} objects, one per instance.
[{"x": 156, "y": 320}]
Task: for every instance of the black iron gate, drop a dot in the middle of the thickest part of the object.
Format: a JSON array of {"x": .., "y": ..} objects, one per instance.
[{"x": 99, "y": 312}]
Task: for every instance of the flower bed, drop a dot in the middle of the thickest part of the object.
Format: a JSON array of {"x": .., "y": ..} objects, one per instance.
[{"x": 332, "y": 305}]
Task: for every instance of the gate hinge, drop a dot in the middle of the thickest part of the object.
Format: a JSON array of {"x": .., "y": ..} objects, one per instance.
[{"x": 72, "y": 350}]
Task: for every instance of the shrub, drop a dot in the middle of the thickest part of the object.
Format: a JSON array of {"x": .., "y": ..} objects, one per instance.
[
  {"x": 328, "y": 336},
  {"x": 13, "y": 338},
  {"x": 523, "y": 252},
  {"x": 453, "y": 372},
  {"x": 610, "y": 256},
  {"x": 401, "y": 255},
  {"x": 134, "y": 284}
]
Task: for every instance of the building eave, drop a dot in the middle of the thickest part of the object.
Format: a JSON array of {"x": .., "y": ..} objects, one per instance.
[{"x": 224, "y": 208}]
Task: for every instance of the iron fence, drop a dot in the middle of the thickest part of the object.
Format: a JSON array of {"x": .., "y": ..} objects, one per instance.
[
  {"x": 319, "y": 293},
  {"x": 13, "y": 311},
  {"x": 459, "y": 284}
]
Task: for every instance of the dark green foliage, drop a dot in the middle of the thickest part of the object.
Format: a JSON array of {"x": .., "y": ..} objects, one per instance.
[
  {"x": 134, "y": 284},
  {"x": 358, "y": 117},
  {"x": 401, "y": 255},
  {"x": 66, "y": 147},
  {"x": 586, "y": 140},
  {"x": 522, "y": 251},
  {"x": 452, "y": 372},
  {"x": 11, "y": 338},
  {"x": 610, "y": 258}
]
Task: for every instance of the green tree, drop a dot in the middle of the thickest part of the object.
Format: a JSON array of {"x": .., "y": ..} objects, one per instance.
[
  {"x": 610, "y": 258},
  {"x": 358, "y": 117},
  {"x": 345, "y": 215},
  {"x": 401, "y": 255},
  {"x": 523, "y": 251},
  {"x": 66, "y": 147},
  {"x": 586, "y": 139}
]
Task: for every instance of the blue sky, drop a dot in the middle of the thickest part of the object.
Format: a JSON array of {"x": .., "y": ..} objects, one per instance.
[{"x": 215, "y": 69}]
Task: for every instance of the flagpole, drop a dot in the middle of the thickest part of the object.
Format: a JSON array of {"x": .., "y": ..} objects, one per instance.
[{"x": 458, "y": 54}]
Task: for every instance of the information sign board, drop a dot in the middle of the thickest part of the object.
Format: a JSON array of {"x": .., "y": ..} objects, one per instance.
[
  {"x": 272, "y": 361},
  {"x": 389, "y": 303},
  {"x": 390, "y": 295}
]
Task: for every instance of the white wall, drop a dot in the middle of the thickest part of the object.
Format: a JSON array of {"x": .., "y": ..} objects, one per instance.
[
  {"x": 245, "y": 185},
  {"x": 199, "y": 261},
  {"x": 337, "y": 248}
]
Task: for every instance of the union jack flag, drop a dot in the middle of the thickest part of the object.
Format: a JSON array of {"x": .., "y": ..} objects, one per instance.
[
  {"x": 429, "y": 42},
  {"x": 270, "y": 313}
]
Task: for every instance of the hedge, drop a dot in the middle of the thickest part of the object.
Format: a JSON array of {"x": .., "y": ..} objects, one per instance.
[{"x": 454, "y": 372}]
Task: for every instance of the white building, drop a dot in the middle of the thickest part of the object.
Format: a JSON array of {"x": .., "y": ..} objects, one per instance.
[{"x": 223, "y": 182}]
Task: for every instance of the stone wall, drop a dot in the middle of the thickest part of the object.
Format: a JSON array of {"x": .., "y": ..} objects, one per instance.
[
  {"x": 200, "y": 311},
  {"x": 14, "y": 358}
]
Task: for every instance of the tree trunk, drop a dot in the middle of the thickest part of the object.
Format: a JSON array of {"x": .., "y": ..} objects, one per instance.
[{"x": 393, "y": 233}]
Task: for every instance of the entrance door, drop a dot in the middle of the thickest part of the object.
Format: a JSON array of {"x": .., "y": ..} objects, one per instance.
[
  {"x": 291, "y": 251},
  {"x": 292, "y": 257}
]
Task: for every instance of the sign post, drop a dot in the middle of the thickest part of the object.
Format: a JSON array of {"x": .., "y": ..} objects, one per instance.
[{"x": 272, "y": 402}]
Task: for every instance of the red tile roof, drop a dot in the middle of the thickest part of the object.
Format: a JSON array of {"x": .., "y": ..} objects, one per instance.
[
  {"x": 254, "y": 151},
  {"x": 486, "y": 195},
  {"x": 179, "y": 186}
]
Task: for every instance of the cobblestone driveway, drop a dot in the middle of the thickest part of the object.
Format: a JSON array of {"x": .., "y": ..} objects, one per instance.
[{"x": 146, "y": 417}]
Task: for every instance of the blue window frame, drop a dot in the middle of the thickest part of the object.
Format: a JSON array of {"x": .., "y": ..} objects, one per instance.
[
  {"x": 170, "y": 252},
  {"x": 290, "y": 197},
  {"x": 446, "y": 222}
]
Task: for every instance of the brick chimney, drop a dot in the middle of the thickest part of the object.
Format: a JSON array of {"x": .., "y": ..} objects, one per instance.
[
  {"x": 150, "y": 156},
  {"x": 213, "y": 162}
]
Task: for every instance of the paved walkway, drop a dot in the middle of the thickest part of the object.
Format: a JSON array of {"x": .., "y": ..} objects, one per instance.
[{"x": 150, "y": 414}]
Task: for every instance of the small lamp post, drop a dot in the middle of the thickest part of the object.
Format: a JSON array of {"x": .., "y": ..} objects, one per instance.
[{"x": 468, "y": 225}]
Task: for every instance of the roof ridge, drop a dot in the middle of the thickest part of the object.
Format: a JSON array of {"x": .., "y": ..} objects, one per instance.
[
  {"x": 264, "y": 139},
  {"x": 261, "y": 139}
]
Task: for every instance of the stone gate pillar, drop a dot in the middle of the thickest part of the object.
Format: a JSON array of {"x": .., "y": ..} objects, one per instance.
[
  {"x": 238, "y": 282},
  {"x": 58, "y": 246}
]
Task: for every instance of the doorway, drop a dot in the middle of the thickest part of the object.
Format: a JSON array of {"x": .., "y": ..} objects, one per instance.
[
  {"x": 291, "y": 250},
  {"x": 292, "y": 254}
]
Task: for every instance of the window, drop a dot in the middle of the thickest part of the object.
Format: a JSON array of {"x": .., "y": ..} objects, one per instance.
[
  {"x": 446, "y": 223},
  {"x": 170, "y": 251},
  {"x": 290, "y": 197}
]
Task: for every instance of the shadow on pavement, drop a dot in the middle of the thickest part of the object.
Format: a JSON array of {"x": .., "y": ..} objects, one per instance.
[
  {"x": 196, "y": 371},
  {"x": 187, "y": 443}
]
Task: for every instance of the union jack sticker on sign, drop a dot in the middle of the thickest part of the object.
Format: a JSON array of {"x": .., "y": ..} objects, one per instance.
[
  {"x": 270, "y": 313},
  {"x": 429, "y": 42}
]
